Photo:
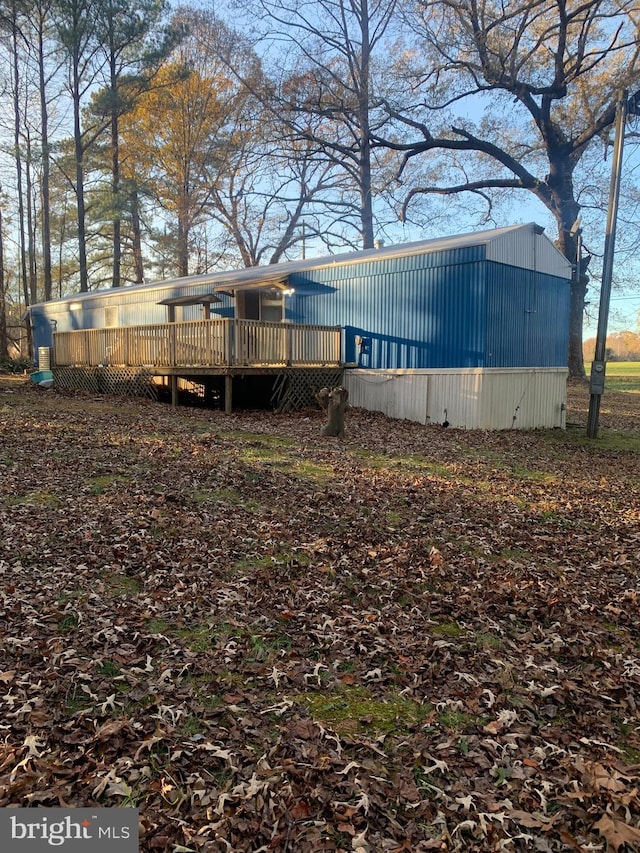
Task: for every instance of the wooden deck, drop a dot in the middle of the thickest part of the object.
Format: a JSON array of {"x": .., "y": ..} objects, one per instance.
[
  {"x": 200, "y": 348},
  {"x": 208, "y": 346}
]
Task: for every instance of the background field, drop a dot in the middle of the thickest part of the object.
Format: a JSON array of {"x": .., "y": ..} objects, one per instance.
[{"x": 622, "y": 375}]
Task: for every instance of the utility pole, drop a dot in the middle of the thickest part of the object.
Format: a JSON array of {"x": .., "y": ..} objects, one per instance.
[{"x": 624, "y": 107}]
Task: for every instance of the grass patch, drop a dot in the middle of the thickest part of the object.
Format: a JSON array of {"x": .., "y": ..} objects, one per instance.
[
  {"x": 352, "y": 710},
  {"x": 158, "y": 626},
  {"x": 200, "y": 638},
  {"x": 40, "y": 500},
  {"x": 119, "y": 585},
  {"x": 258, "y": 438},
  {"x": 100, "y": 484},
  {"x": 458, "y": 721},
  {"x": 275, "y": 562},
  {"x": 534, "y": 476},
  {"x": 109, "y": 668},
  {"x": 265, "y": 648},
  {"x": 489, "y": 641},
  {"x": 412, "y": 462},
  {"x": 190, "y": 726},
  {"x": 225, "y": 496},
  {"x": 68, "y": 623},
  {"x": 310, "y": 470},
  {"x": 608, "y": 440},
  {"x": 448, "y": 629}
]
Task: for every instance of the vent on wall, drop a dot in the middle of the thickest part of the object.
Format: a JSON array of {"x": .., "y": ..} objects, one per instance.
[{"x": 111, "y": 316}]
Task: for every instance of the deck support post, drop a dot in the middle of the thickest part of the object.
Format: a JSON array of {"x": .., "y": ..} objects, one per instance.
[
  {"x": 228, "y": 394},
  {"x": 174, "y": 390}
]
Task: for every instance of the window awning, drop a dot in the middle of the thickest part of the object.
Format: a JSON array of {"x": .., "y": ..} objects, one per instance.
[
  {"x": 277, "y": 282},
  {"x": 201, "y": 299}
]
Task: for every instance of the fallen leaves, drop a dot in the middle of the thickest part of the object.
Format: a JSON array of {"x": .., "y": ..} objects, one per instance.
[{"x": 417, "y": 640}]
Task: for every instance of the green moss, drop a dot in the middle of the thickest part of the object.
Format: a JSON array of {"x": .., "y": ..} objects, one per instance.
[
  {"x": 352, "y": 709},
  {"x": 44, "y": 500},
  {"x": 448, "y": 629},
  {"x": 100, "y": 483},
  {"x": 119, "y": 585}
]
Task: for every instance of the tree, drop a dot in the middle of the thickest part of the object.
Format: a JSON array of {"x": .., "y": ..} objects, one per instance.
[
  {"x": 11, "y": 20},
  {"x": 76, "y": 22},
  {"x": 546, "y": 74},
  {"x": 4, "y": 336},
  {"x": 133, "y": 45},
  {"x": 173, "y": 135},
  {"x": 40, "y": 13},
  {"x": 331, "y": 94},
  {"x": 190, "y": 139}
]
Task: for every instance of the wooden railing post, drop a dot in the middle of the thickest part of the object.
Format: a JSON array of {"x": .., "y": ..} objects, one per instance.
[
  {"x": 289, "y": 353},
  {"x": 172, "y": 345},
  {"x": 228, "y": 341}
]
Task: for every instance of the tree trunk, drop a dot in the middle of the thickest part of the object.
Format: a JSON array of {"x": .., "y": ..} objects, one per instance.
[
  {"x": 183, "y": 241},
  {"x": 566, "y": 213},
  {"x": 31, "y": 219},
  {"x": 364, "y": 97},
  {"x": 18, "y": 154},
  {"x": 136, "y": 229},
  {"x": 334, "y": 402},
  {"x": 46, "y": 165},
  {"x": 115, "y": 172},
  {"x": 4, "y": 338},
  {"x": 79, "y": 188}
]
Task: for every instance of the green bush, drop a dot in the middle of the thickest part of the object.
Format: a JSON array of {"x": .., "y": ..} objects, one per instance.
[{"x": 15, "y": 365}]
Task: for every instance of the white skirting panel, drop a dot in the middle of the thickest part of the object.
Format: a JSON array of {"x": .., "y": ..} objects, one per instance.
[{"x": 466, "y": 398}]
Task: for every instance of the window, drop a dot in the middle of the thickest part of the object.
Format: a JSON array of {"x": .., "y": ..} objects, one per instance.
[{"x": 111, "y": 316}]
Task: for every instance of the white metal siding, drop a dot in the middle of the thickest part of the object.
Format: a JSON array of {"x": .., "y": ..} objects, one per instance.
[
  {"x": 526, "y": 247},
  {"x": 470, "y": 398}
]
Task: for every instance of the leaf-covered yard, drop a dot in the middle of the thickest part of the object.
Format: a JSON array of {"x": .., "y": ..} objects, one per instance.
[{"x": 264, "y": 639}]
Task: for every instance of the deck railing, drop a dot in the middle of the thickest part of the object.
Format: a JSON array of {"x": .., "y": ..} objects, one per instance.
[{"x": 200, "y": 343}]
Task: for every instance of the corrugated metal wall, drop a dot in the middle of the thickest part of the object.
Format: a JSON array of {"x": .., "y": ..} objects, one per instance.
[
  {"x": 422, "y": 311},
  {"x": 134, "y": 306},
  {"x": 462, "y": 312},
  {"x": 527, "y": 319},
  {"x": 529, "y": 248},
  {"x": 466, "y": 399}
]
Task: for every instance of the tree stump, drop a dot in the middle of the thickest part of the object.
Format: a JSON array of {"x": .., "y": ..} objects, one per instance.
[{"x": 334, "y": 402}]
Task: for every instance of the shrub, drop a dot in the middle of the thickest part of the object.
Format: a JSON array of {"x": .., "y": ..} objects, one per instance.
[{"x": 15, "y": 365}]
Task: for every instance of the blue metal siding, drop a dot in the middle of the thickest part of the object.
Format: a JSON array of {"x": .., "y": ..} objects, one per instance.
[
  {"x": 428, "y": 316},
  {"x": 135, "y": 308},
  {"x": 527, "y": 318}
]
